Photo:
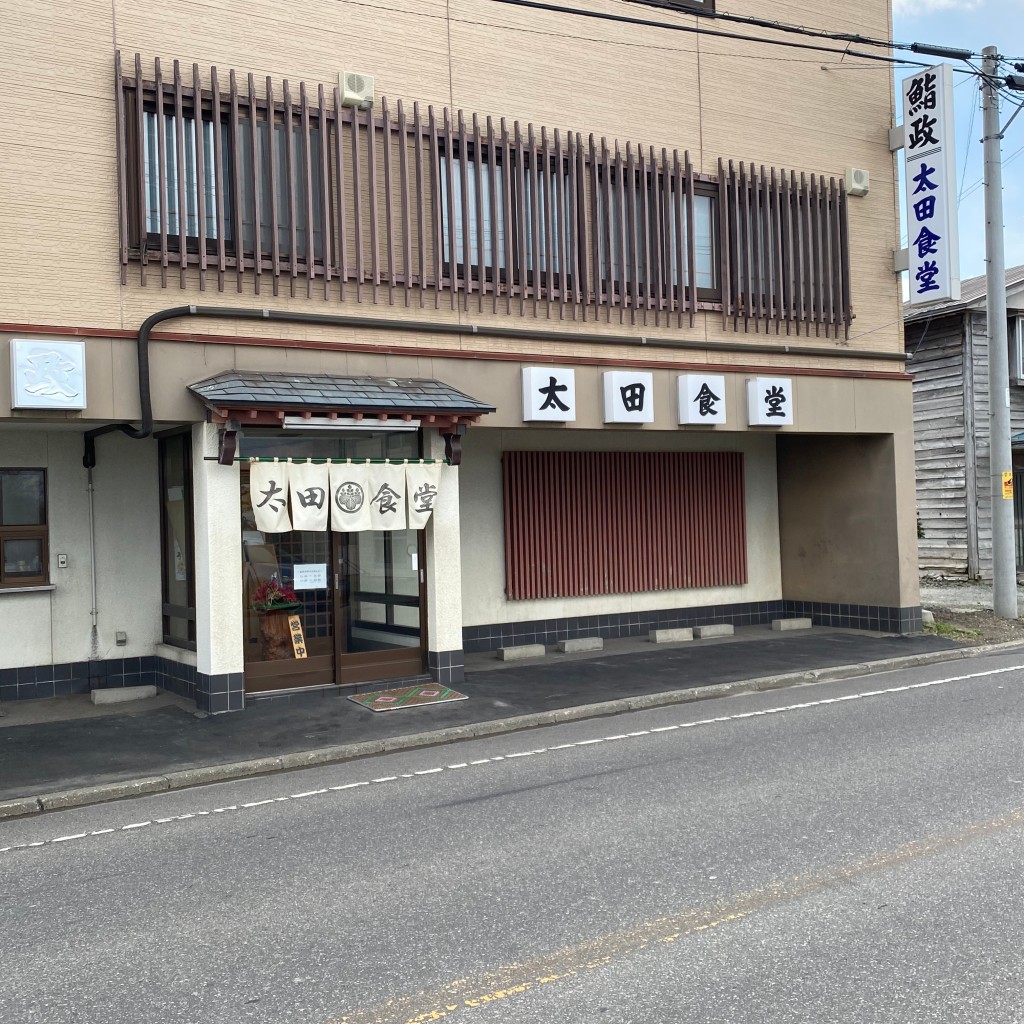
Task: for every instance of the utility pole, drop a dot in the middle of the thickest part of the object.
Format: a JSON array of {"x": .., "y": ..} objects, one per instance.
[{"x": 1004, "y": 556}]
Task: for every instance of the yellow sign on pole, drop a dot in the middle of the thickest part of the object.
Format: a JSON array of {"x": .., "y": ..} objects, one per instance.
[
  {"x": 1008, "y": 486},
  {"x": 298, "y": 640}
]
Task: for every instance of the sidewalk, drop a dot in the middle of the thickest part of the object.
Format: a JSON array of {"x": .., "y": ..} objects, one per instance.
[{"x": 54, "y": 763}]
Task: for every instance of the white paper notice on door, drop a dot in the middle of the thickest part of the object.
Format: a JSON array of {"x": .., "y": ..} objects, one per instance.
[{"x": 312, "y": 576}]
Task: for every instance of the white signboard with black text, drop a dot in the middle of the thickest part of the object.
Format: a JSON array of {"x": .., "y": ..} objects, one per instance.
[
  {"x": 47, "y": 374},
  {"x": 628, "y": 396},
  {"x": 928, "y": 146},
  {"x": 549, "y": 394},
  {"x": 701, "y": 398},
  {"x": 769, "y": 401}
]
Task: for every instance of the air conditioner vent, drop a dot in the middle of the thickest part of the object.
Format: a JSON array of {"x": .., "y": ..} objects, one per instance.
[{"x": 858, "y": 181}]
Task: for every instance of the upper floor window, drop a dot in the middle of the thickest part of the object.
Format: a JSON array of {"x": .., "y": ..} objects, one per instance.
[{"x": 24, "y": 554}]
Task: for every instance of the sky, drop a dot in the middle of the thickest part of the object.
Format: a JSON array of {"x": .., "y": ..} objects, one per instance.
[{"x": 974, "y": 24}]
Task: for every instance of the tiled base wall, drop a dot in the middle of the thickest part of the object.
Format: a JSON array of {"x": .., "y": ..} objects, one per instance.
[
  {"x": 446, "y": 666},
  {"x": 211, "y": 693},
  {"x": 635, "y": 624}
]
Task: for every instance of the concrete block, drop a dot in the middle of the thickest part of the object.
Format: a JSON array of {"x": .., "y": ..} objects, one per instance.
[
  {"x": 782, "y": 625},
  {"x": 721, "y": 629},
  {"x": 121, "y": 694},
  {"x": 581, "y": 643},
  {"x": 670, "y": 636},
  {"x": 927, "y": 617},
  {"x": 19, "y": 808},
  {"x": 521, "y": 652}
]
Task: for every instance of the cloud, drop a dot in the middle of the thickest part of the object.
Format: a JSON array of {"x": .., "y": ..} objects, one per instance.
[{"x": 909, "y": 8}]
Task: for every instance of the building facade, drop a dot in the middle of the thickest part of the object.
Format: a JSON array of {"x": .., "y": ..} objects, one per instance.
[
  {"x": 344, "y": 340},
  {"x": 948, "y": 346}
]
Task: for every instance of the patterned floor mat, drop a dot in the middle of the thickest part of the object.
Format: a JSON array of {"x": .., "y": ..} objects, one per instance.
[{"x": 406, "y": 697}]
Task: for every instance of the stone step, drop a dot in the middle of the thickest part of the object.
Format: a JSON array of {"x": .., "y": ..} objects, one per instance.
[
  {"x": 521, "y": 652},
  {"x": 581, "y": 643},
  {"x": 782, "y": 625},
  {"x": 670, "y": 636},
  {"x": 719, "y": 629},
  {"x": 122, "y": 694}
]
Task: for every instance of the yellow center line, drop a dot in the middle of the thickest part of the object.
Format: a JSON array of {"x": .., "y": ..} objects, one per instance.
[{"x": 516, "y": 979}]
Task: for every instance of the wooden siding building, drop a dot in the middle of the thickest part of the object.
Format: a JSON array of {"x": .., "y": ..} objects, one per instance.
[{"x": 948, "y": 350}]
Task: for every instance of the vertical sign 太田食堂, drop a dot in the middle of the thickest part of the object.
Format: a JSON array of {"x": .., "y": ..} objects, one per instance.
[{"x": 929, "y": 148}]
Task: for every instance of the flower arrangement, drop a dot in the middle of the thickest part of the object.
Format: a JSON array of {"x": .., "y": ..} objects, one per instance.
[{"x": 272, "y": 596}]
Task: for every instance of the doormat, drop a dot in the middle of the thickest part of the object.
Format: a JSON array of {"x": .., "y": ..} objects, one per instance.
[{"x": 406, "y": 697}]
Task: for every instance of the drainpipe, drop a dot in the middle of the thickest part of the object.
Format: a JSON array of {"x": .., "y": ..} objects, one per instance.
[
  {"x": 94, "y": 641},
  {"x": 145, "y": 428}
]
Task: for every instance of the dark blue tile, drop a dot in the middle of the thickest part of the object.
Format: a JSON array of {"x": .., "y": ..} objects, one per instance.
[
  {"x": 26, "y": 675},
  {"x": 35, "y": 691},
  {"x": 8, "y": 677},
  {"x": 8, "y": 691}
]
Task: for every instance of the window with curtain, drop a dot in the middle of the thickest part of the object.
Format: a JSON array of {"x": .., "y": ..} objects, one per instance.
[{"x": 24, "y": 534}]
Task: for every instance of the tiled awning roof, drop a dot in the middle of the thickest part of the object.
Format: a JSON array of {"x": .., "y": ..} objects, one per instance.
[{"x": 252, "y": 395}]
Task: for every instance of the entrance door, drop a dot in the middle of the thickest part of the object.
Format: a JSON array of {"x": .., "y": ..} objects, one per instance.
[{"x": 379, "y": 604}]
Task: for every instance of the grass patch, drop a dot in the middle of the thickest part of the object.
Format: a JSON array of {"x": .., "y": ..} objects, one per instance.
[{"x": 954, "y": 632}]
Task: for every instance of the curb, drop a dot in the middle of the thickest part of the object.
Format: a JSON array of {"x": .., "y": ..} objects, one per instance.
[{"x": 27, "y": 806}]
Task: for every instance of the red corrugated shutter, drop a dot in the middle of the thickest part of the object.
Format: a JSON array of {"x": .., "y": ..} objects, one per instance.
[{"x": 579, "y": 523}]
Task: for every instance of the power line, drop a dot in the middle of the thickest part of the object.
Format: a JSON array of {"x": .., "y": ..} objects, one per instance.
[
  {"x": 538, "y": 5},
  {"x": 681, "y": 7}
]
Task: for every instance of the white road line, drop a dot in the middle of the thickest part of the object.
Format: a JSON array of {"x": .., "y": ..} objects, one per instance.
[{"x": 739, "y": 716}]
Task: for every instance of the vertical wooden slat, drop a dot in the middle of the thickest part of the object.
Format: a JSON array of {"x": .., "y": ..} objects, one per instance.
[
  {"x": 534, "y": 215},
  {"x": 374, "y": 202},
  {"x": 807, "y": 259},
  {"x": 235, "y": 135},
  {"x": 768, "y": 216},
  {"x": 467, "y": 245},
  {"x": 480, "y": 174},
  {"x": 289, "y": 173},
  {"x": 201, "y": 171},
  {"x": 421, "y": 206},
  {"x": 632, "y": 223},
  {"x": 161, "y": 149},
  {"x": 644, "y": 232},
  {"x": 575, "y": 207},
  {"x": 725, "y": 214},
  {"x": 828, "y": 254},
  {"x": 745, "y": 224},
  {"x": 818, "y": 267},
  {"x": 776, "y": 185},
  {"x": 326, "y": 245},
  {"x": 307, "y": 151},
  {"x": 757, "y": 247},
  {"x": 140, "y": 128},
  {"x": 122, "y": 168},
  {"x": 546, "y": 196},
  {"x": 275, "y": 218},
  {"x": 339, "y": 163},
  {"x": 652, "y": 192},
  {"x": 439, "y": 187},
  {"x": 680, "y": 186},
  {"x": 844, "y": 256},
  {"x": 618, "y": 186},
  {"x": 496, "y": 226},
  {"x": 179, "y": 163},
  {"x": 219, "y": 181},
  {"x": 594, "y": 224},
  {"x": 658, "y": 230},
  {"x": 668, "y": 223},
  {"x": 403, "y": 184},
  {"x": 523, "y": 271},
  {"x": 789, "y": 249},
  {"x": 507, "y": 168},
  {"x": 389, "y": 218},
  {"x": 357, "y": 206},
  {"x": 255, "y": 183},
  {"x": 560, "y": 186},
  {"x": 691, "y": 239},
  {"x": 453, "y": 249}
]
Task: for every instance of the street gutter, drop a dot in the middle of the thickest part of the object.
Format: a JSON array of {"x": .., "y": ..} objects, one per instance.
[{"x": 337, "y": 754}]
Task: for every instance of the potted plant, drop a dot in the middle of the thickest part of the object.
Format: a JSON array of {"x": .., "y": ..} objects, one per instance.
[{"x": 273, "y": 601}]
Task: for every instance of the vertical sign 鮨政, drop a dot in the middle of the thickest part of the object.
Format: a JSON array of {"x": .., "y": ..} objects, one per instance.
[{"x": 931, "y": 185}]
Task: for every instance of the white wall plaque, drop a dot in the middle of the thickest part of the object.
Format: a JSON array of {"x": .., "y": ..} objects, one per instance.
[
  {"x": 628, "y": 397},
  {"x": 930, "y": 185},
  {"x": 312, "y": 576},
  {"x": 47, "y": 374},
  {"x": 769, "y": 401},
  {"x": 701, "y": 398},
  {"x": 549, "y": 394}
]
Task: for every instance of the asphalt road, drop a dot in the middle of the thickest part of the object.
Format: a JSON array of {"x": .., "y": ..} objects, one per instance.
[{"x": 840, "y": 852}]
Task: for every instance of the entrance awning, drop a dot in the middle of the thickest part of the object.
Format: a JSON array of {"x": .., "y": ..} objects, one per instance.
[
  {"x": 240, "y": 398},
  {"x": 267, "y": 399}
]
